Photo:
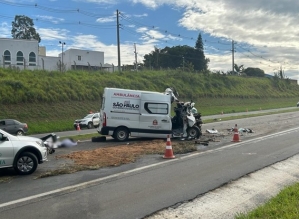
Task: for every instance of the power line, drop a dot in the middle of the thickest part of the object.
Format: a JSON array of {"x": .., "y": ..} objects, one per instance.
[
  {"x": 130, "y": 20},
  {"x": 102, "y": 26},
  {"x": 256, "y": 55},
  {"x": 254, "y": 59},
  {"x": 55, "y": 10},
  {"x": 124, "y": 18}
]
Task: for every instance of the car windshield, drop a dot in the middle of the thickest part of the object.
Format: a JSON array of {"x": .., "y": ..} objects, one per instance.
[{"x": 88, "y": 116}]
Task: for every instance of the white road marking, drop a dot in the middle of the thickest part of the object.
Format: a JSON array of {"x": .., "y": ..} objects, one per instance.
[
  {"x": 239, "y": 196},
  {"x": 85, "y": 184}
]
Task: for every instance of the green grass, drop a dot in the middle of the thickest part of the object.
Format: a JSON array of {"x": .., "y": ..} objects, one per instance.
[
  {"x": 49, "y": 117},
  {"x": 60, "y": 116},
  {"x": 227, "y": 117},
  {"x": 51, "y": 101},
  {"x": 285, "y": 206}
]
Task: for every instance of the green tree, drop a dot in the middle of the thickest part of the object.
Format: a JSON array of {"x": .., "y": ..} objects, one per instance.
[
  {"x": 255, "y": 72},
  {"x": 23, "y": 28},
  {"x": 152, "y": 60},
  {"x": 188, "y": 66},
  {"x": 173, "y": 57},
  {"x": 201, "y": 62},
  {"x": 239, "y": 69}
]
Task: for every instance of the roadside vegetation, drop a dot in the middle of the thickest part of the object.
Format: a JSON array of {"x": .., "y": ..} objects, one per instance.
[
  {"x": 284, "y": 205},
  {"x": 51, "y": 101}
]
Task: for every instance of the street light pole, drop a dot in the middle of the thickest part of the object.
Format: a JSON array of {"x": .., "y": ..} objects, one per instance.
[{"x": 62, "y": 43}]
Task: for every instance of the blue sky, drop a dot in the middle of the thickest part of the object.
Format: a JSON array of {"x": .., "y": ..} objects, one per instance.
[{"x": 265, "y": 32}]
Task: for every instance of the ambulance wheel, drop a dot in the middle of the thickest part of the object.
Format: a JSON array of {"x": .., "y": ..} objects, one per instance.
[
  {"x": 121, "y": 134},
  {"x": 193, "y": 132}
]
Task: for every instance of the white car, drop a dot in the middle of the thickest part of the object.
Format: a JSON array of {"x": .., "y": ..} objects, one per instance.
[
  {"x": 22, "y": 153},
  {"x": 90, "y": 121}
]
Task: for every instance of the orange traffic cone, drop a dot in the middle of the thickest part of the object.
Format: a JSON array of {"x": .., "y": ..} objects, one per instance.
[
  {"x": 168, "y": 151},
  {"x": 236, "y": 137},
  {"x": 78, "y": 127}
]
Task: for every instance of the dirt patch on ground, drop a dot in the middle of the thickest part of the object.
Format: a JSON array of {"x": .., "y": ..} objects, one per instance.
[{"x": 116, "y": 155}]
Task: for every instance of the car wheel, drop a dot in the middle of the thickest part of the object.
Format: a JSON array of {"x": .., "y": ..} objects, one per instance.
[
  {"x": 20, "y": 133},
  {"x": 121, "y": 134},
  {"x": 26, "y": 163},
  {"x": 89, "y": 125},
  {"x": 193, "y": 132}
]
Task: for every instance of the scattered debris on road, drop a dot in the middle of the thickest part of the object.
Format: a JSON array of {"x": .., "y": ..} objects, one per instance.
[
  {"x": 116, "y": 155},
  {"x": 248, "y": 130},
  {"x": 212, "y": 131}
]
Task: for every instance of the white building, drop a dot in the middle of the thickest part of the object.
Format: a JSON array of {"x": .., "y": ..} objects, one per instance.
[
  {"x": 26, "y": 54},
  {"x": 22, "y": 54},
  {"x": 82, "y": 59}
]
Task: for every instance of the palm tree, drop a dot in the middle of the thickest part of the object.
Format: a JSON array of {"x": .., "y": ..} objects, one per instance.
[{"x": 239, "y": 69}]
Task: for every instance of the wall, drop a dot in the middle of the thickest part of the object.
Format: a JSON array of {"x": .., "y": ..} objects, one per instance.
[
  {"x": 83, "y": 59},
  {"x": 15, "y": 45},
  {"x": 49, "y": 63},
  {"x": 72, "y": 58}
]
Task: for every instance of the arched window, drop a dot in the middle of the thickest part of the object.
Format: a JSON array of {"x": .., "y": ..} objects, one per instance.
[
  {"x": 7, "y": 57},
  {"x": 32, "y": 59},
  {"x": 20, "y": 58}
]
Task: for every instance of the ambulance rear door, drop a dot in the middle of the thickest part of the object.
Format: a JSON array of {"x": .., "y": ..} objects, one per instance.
[{"x": 155, "y": 119}]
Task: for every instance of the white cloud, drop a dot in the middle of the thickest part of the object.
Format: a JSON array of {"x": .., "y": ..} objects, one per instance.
[
  {"x": 87, "y": 42},
  {"x": 131, "y": 25},
  {"x": 154, "y": 36},
  {"x": 99, "y": 1},
  {"x": 106, "y": 19},
  {"x": 148, "y": 3},
  {"x": 91, "y": 42},
  {"x": 5, "y": 30},
  {"x": 260, "y": 23},
  {"x": 52, "y": 34},
  {"x": 54, "y": 20},
  {"x": 140, "y": 15},
  {"x": 157, "y": 3}
]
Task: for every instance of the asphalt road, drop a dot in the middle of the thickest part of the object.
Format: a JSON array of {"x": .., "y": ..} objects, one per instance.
[
  {"x": 139, "y": 189},
  {"x": 90, "y": 131},
  {"x": 140, "y": 192}
]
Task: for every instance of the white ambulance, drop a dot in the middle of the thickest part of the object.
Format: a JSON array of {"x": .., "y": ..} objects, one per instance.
[{"x": 135, "y": 113}]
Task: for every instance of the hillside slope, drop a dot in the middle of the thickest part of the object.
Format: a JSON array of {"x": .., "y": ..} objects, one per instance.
[{"x": 50, "y": 101}]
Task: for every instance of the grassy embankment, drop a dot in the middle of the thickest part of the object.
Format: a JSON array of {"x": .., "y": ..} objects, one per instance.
[
  {"x": 284, "y": 205},
  {"x": 51, "y": 101}
]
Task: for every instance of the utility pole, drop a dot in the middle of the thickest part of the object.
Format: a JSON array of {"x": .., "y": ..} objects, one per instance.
[
  {"x": 62, "y": 65},
  {"x": 233, "y": 57},
  {"x": 118, "y": 44},
  {"x": 135, "y": 57}
]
